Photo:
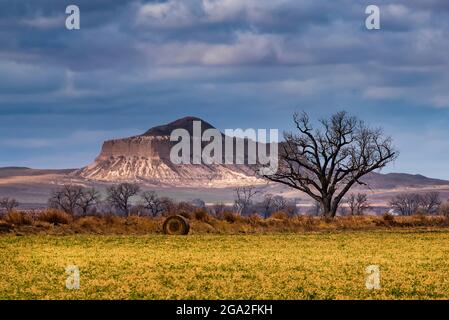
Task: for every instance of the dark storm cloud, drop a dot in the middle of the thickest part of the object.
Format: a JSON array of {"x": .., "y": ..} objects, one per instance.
[
  {"x": 144, "y": 38},
  {"x": 121, "y": 34},
  {"x": 243, "y": 63}
]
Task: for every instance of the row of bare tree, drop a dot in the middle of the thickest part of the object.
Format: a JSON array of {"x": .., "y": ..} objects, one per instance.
[
  {"x": 8, "y": 204},
  {"x": 244, "y": 203},
  {"x": 408, "y": 204},
  {"x": 76, "y": 199},
  {"x": 79, "y": 200},
  {"x": 355, "y": 203}
]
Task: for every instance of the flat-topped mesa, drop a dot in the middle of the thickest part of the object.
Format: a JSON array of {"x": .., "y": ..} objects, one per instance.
[
  {"x": 153, "y": 144},
  {"x": 151, "y": 147},
  {"x": 146, "y": 158}
]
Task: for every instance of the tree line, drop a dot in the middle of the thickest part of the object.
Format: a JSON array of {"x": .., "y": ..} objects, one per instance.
[{"x": 128, "y": 199}]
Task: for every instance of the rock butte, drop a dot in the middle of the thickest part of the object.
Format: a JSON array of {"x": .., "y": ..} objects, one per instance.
[{"x": 146, "y": 159}]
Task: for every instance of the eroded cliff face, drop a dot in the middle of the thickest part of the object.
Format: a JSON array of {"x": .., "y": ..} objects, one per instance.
[
  {"x": 150, "y": 147},
  {"x": 146, "y": 159}
]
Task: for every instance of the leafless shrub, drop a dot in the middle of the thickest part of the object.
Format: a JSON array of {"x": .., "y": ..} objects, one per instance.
[
  {"x": 405, "y": 204},
  {"x": 120, "y": 196},
  {"x": 66, "y": 198},
  {"x": 154, "y": 204},
  {"x": 244, "y": 199},
  {"x": 72, "y": 199},
  {"x": 430, "y": 202},
  {"x": 279, "y": 203},
  {"x": 357, "y": 203},
  {"x": 89, "y": 198},
  {"x": 408, "y": 204},
  {"x": 8, "y": 204}
]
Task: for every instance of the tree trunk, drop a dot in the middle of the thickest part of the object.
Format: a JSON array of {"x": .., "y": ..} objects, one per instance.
[
  {"x": 127, "y": 211},
  {"x": 326, "y": 207},
  {"x": 334, "y": 211}
]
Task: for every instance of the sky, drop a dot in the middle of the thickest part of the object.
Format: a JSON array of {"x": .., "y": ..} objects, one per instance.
[{"x": 234, "y": 63}]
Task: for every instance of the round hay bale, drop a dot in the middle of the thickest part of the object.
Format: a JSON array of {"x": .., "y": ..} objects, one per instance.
[{"x": 176, "y": 225}]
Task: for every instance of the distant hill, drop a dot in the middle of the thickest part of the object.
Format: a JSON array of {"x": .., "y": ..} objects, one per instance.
[
  {"x": 6, "y": 172},
  {"x": 400, "y": 180}
]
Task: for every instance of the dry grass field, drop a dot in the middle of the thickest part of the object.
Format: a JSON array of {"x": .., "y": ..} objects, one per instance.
[
  {"x": 55, "y": 222},
  {"x": 329, "y": 265}
]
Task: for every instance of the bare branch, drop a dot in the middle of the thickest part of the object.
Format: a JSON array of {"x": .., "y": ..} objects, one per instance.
[{"x": 326, "y": 162}]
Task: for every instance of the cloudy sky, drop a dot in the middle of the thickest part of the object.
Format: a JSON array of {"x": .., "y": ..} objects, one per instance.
[{"x": 234, "y": 63}]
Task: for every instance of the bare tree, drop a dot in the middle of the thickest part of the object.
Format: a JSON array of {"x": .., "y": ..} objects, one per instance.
[
  {"x": 119, "y": 196},
  {"x": 325, "y": 163},
  {"x": 88, "y": 199},
  {"x": 279, "y": 203},
  {"x": 351, "y": 201},
  {"x": 66, "y": 198},
  {"x": 406, "y": 204},
  {"x": 153, "y": 203},
  {"x": 357, "y": 203},
  {"x": 243, "y": 199},
  {"x": 430, "y": 202},
  {"x": 412, "y": 203},
  {"x": 267, "y": 205},
  {"x": 8, "y": 204},
  {"x": 362, "y": 203}
]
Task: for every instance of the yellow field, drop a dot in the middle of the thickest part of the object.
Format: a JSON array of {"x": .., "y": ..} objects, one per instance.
[{"x": 309, "y": 266}]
